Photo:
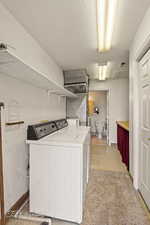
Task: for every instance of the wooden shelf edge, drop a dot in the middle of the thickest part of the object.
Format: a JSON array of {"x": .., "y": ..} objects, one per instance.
[
  {"x": 14, "y": 123},
  {"x": 123, "y": 124}
]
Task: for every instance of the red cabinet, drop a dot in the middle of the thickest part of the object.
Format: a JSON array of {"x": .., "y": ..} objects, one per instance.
[{"x": 123, "y": 144}]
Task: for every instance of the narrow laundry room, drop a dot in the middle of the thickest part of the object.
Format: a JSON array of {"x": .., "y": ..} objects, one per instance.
[{"x": 74, "y": 112}]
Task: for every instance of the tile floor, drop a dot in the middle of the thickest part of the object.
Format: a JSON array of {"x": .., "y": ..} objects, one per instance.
[
  {"x": 96, "y": 141},
  {"x": 104, "y": 157}
]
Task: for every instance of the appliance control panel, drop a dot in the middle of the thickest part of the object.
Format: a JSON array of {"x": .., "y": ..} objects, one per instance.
[
  {"x": 37, "y": 131},
  {"x": 45, "y": 129},
  {"x": 61, "y": 123}
]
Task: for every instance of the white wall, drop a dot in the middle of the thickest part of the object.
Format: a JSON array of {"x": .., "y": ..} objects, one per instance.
[
  {"x": 33, "y": 104},
  {"x": 25, "y": 47},
  {"x": 140, "y": 40},
  {"x": 118, "y": 103},
  {"x": 77, "y": 108}
]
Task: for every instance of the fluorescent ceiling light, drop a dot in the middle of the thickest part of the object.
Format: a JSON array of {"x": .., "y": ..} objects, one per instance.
[
  {"x": 106, "y": 10},
  {"x": 102, "y": 72}
]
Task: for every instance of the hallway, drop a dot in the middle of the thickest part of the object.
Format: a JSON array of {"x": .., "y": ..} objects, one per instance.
[{"x": 109, "y": 186}]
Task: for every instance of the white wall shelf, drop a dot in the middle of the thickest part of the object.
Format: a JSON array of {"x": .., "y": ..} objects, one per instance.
[{"x": 13, "y": 66}]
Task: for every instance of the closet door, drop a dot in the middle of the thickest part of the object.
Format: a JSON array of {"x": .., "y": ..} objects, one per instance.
[
  {"x": 2, "y": 217},
  {"x": 145, "y": 128}
]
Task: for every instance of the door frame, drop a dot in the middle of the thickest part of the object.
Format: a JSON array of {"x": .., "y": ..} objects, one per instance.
[
  {"x": 134, "y": 118},
  {"x": 108, "y": 111},
  {"x": 2, "y": 219},
  {"x": 143, "y": 84}
]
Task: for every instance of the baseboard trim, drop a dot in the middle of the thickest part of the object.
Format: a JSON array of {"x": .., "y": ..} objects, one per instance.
[
  {"x": 143, "y": 203},
  {"x": 17, "y": 205}
]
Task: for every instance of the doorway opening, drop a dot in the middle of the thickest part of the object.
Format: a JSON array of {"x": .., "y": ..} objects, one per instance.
[{"x": 98, "y": 116}]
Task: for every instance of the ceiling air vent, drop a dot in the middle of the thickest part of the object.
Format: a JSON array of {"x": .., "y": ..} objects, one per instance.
[{"x": 76, "y": 80}]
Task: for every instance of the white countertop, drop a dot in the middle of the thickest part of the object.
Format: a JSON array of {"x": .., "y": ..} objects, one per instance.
[{"x": 71, "y": 135}]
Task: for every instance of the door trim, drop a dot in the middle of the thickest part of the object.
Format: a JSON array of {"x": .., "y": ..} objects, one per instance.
[
  {"x": 134, "y": 118},
  {"x": 143, "y": 49},
  {"x": 108, "y": 112},
  {"x": 1, "y": 174}
]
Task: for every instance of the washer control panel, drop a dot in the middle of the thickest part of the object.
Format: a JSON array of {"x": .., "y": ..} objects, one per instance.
[
  {"x": 61, "y": 123},
  {"x": 45, "y": 129}
]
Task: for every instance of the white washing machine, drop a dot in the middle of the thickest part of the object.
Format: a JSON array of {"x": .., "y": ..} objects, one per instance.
[{"x": 59, "y": 169}]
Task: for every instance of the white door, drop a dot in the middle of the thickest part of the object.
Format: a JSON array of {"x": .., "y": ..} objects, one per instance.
[{"x": 144, "y": 186}]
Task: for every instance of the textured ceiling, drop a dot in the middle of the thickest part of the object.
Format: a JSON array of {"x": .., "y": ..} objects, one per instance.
[{"x": 66, "y": 29}]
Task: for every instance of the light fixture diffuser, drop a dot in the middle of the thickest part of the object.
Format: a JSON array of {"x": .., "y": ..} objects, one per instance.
[
  {"x": 102, "y": 72},
  {"x": 106, "y": 10}
]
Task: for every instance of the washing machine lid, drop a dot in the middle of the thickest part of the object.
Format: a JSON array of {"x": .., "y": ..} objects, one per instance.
[{"x": 69, "y": 136}]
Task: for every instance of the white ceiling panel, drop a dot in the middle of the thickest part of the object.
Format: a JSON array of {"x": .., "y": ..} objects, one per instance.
[{"x": 66, "y": 29}]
